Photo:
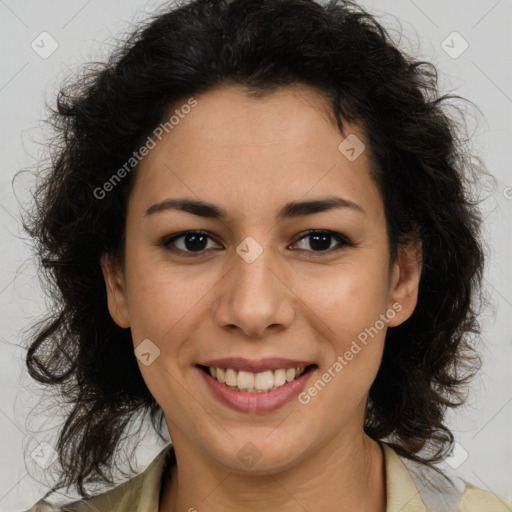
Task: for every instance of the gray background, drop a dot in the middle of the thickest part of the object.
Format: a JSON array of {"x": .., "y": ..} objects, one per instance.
[{"x": 84, "y": 30}]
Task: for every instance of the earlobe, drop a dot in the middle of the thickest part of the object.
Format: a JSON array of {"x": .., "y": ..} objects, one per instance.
[
  {"x": 116, "y": 294},
  {"x": 405, "y": 281}
]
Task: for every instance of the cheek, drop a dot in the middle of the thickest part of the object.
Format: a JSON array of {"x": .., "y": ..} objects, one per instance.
[
  {"x": 164, "y": 300},
  {"x": 349, "y": 296},
  {"x": 347, "y": 303},
  {"x": 347, "y": 311},
  {"x": 165, "y": 383}
]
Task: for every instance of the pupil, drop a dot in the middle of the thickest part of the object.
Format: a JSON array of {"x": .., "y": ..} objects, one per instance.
[
  {"x": 320, "y": 241},
  {"x": 195, "y": 241}
]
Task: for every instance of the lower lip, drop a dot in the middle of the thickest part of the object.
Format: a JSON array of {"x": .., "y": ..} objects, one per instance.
[{"x": 256, "y": 402}]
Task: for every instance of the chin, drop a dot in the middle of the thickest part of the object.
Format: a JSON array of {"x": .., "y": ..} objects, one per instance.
[{"x": 260, "y": 454}]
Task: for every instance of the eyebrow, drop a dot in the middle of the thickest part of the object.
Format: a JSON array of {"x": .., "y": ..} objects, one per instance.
[{"x": 292, "y": 209}]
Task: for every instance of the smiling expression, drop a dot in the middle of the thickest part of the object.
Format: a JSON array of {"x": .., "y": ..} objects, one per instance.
[{"x": 256, "y": 253}]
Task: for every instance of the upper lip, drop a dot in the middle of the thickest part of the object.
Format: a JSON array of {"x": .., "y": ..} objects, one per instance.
[{"x": 255, "y": 366}]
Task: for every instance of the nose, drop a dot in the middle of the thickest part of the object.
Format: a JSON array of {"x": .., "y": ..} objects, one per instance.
[{"x": 255, "y": 297}]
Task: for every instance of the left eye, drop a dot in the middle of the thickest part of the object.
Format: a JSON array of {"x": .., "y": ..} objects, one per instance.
[{"x": 320, "y": 240}]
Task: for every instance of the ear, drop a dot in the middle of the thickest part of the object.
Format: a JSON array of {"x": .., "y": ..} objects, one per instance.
[
  {"x": 405, "y": 281},
  {"x": 116, "y": 291}
]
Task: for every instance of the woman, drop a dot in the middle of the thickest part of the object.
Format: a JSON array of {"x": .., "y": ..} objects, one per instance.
[{"x": 258, "y": 227}]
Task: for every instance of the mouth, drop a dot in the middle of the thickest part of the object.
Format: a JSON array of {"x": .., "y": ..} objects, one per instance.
[
  {"x": 252, "y": 382},
  {"x": 251, "y": 386}
]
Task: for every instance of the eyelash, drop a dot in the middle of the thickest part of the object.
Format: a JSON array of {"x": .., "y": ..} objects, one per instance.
[{"x": 342, "y": 241}]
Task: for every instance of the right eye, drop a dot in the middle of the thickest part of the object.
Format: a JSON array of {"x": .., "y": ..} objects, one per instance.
[{"x": 193, "y": 243}]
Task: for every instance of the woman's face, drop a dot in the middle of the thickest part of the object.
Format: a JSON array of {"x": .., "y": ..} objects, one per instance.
[{"x": 253, "y": 294}]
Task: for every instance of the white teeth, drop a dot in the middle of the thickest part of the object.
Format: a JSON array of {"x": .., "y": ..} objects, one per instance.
[
  {"x": 279, "y": 377},
  {"x": 245, "y": 380},
  {"x": 264, "y": 381},
  {"x": 261, "y": 382},
  {"x": 231, "y": 377},
  {"x": 290, "y": 374},
  {"x": 221, "y": 375}
]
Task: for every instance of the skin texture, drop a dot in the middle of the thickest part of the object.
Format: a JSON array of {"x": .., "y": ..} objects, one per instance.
[{"x": 250, "y": 156}]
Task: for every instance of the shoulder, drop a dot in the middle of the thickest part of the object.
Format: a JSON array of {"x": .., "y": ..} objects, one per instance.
[
  {"x": 475, "y": 499},
  {"x": 416, "y": 487},
  {"x": 112, "y": 500},
  {"x": 140, "y": 493}
]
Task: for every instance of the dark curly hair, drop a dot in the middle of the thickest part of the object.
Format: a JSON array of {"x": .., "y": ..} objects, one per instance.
[{"x": 420, "y": 163}]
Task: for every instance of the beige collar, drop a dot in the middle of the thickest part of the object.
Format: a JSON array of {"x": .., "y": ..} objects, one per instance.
[
  {"x": 402, "y": 494},
  {"x": 142, "y": 493}
]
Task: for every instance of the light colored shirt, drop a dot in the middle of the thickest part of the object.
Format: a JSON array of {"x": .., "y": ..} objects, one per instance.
[{"x": 410, "y": 487}]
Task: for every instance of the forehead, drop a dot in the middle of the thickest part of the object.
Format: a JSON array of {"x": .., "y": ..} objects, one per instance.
[
  {"x": 230, "y": 116},
  {"x": 278, "y": 147}
]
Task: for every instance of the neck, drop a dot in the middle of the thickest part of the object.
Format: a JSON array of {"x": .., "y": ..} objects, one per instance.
[{"x": 347, "y": 474}]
